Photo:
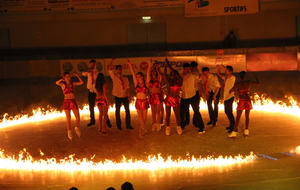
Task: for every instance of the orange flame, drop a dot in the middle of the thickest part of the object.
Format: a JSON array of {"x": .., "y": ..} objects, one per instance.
[
  {"x": 260, "y": 103},
  {"x": 24, "y": 161},
  {"x": 296, "y": 150}
]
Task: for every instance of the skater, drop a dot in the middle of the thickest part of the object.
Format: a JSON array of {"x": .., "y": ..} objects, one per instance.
[
  {"x": 69, "y": 101},
  {"x": 243, "y": 90},
  {"x": 153, "y": 81},
  {"x": 229, "y": 80},
  {"x": 141, "y": 103},
  {"x": 162, "y": 107},
  {"x": 189, "y": 97},
  {"x": 173, "y": 98},
  {"x": 210, "y": 85},
  {"x": 121, "y": 92},
  {"x": 92, "y": 73},
  {"x": 102, "y": 102},
  {"x": 195, "y": 71}
]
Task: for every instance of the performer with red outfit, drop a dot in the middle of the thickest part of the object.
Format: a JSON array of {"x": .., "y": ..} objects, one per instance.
[
  {"x": 141, "y": 103},
  {"x": 69, "y": 101},
  {"x": 102, "y": 102},
  {"x": 153, "y": 81},
  {"x": 243, "y": 89},
  {"x": 92, "y": 73},
  {"x": 173, "y": 98}
]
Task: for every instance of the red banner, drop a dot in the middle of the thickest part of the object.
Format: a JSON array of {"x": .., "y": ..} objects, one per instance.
[{"x": 272, "y": 62}]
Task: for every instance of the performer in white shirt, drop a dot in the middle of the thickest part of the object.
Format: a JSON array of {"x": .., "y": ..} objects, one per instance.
[
  {"x": 210, "y": 85},
  {"x": 228, "y": 96},
  {"x": 189, "y": 97},
  {"x": 195, "y": 71},
  {"x": 121, "y": 92},
  {"x": 92, "y": 73}
]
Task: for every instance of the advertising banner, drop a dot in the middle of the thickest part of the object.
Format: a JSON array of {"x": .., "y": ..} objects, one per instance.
[
  {"x": 44, "y": 6},
  {"x": 238, "y": 62},
  {"x": 139, "y": 64},
  {"x": 196, "y": 8},
  {"x": 272, "y": 62},
  {"x": 79, "y": 65},
  {"x": 160, "y": 3}
]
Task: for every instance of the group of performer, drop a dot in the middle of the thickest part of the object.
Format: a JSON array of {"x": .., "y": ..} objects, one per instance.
[{"x": 184, "y": 89}]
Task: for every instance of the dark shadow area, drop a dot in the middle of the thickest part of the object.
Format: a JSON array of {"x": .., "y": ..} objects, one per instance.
[{"x": 132, "y": 50}]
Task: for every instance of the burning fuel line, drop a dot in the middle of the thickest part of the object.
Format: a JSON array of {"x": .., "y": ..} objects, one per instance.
[
  {"x": 260, "y": 103},
  {"x": 24, "y": 161}
]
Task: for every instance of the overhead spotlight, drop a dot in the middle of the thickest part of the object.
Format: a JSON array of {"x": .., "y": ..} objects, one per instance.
[{"x": 146, "y": 17}]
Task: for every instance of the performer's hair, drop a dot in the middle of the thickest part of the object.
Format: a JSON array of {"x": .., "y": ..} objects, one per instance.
[
  {"x": 194, "y": 64},
  {"x": 242, "y": 74},
  {"x": 117, "y": 66},
  {"x": 66, "y": 73},
  {"x": 175, "y": 71},
  {"x": 205, "y": 69},
  {"x": 142, "y": 74},
  {"x": 156, "y": 74},
  {"x": 92, "y": 61},
  {"x": 100, "y": 81},
  {"x": 230, "y": 68},
  {"x": 186, "y": 65}
]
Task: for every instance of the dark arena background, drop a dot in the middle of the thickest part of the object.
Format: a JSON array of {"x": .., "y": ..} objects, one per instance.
[{"x": 40, "y": 40}]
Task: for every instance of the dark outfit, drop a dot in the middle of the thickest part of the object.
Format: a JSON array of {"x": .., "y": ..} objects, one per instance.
[
  {"x": 229, "y": 112},
  {"x": 184, "y": 106},
  {"x": 187, "y": 112},
  {"x": 211, "y": 83},
  {"x": 228, "y": 100},
  {"x": 213, "y": 110},
  {"x": 230, "y": 41},
  {"x": 120, "y": 86},
  {"x": 189, "y": 97}
]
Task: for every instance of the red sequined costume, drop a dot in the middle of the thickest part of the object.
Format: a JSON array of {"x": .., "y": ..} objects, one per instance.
[
  {"x": 244, "y": 103},
  {"x": 101, "y": 102},
  {"x": 69, "y": 104},
  {"x": 173, "y": 101},
  {"x": 155, "y": 98},
  {"x": 141, "y": 104}
]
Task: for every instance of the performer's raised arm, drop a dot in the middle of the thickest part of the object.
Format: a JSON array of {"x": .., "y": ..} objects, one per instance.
[
  {"x": 132, "y": 72},
  {"x": 79, "y": 78},
  {"x": 254, "y": 82},
  {"x": 150, "y": 67}
]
